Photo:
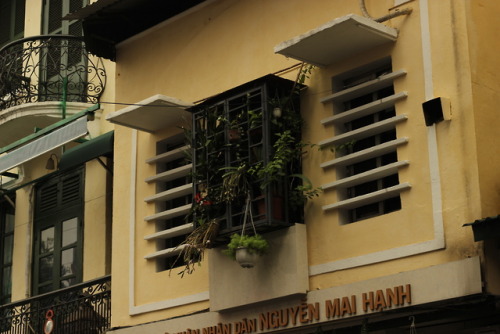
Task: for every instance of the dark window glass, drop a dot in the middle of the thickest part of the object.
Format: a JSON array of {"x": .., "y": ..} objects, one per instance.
[
  {"x": 6, "y": 249},
  {"x": 11, "y": 20}
]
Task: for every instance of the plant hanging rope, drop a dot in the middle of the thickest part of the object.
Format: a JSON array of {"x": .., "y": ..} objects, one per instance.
[{"x": 247, "y": 211}]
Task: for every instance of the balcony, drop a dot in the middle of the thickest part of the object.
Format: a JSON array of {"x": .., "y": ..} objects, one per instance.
[
  {"x": 43, "y": 78},
  {"x": 83, "y": 308}
]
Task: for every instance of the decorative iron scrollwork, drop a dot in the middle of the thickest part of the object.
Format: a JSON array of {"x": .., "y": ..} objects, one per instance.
[
  {"x": 83, "y": 308},
  {"x": 49, "y": 68}
]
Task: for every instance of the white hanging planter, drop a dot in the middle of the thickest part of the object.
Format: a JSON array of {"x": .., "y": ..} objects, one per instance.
[{"x": 245, "y": 258}]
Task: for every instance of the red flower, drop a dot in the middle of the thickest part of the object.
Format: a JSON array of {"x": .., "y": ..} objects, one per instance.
[{"x": 201, "y": 200}]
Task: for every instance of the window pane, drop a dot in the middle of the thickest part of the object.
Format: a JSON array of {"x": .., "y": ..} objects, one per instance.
[
  {"x": 6, "y": 282},
  {"x": 67, "y": 262},
  {"x": 7, "y": 249},
  {"x": 45, "y": 288},
  {"x": 47, "y": 240},
  {"x": 5, "y": 24},
  {"x": 9, "y": 223},
  {"x": 70, "y": 232},
  {"x": 55, "y": 15},
  {"x": 45, "y": 270},
  {"x": 68, "y": 282}
]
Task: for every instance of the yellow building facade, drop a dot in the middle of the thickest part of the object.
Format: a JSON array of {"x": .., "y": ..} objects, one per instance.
[
  {"x": 399, "y": 112},
  {"x": 383, "y": 217}
]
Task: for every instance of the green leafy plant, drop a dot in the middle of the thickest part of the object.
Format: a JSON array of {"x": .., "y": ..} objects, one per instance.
[{"x": 255, "y": 244}]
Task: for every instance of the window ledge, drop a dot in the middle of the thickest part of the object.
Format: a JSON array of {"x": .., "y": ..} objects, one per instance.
[
  {"x": 367, "y": 109},
  {"x": 171, "y": 232},
  {"x": 364, "y": 132},
  {"x": 171, "y": 193},
  {"x": 373, "y": 197},
  {"x": 366, "y": 154},
  {"x": 382, "y": 81},
  {"x": 171, "y": 174},
  {"x": 169, "y": 155},
  {"x": 373, "y": 174},
  {"x": 336, "y": 40},
  {"x": 169, "y": 214},
  {"x": 169, "y": 252}
]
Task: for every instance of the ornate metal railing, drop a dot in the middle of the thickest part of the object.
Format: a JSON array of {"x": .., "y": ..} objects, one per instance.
[
  {"x": 49, "y": 68},
  {"x": 81, "y": 309}
]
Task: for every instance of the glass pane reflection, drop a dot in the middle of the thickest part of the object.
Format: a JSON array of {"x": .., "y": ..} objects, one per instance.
[
  {"x": 6, "y": 282},
  {"x": 45, "y": 270},
  {"x": 67, "y": 261},
  {"x": 68, "y": 282},
  {"x": 7, "y": 249},
  {"x": 69, "y": 231},
  {"x": 9, "y": 223},
  {"x": 47, "y": 240}
]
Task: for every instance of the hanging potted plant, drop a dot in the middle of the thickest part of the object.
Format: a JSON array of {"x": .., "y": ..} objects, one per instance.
[{"x": 243, "y": 248}]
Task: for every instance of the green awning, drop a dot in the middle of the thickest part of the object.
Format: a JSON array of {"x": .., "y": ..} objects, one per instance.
[{"x": 92, "y": 149}]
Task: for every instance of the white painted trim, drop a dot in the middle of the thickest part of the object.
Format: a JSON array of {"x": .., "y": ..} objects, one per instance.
[
  {"x": 369, "y": 198},
  {"x": 131, "y": 245},
  {"x": 365, "y": 87},
  {"x": 169, "y": 252},
  {"x": 439, "y": 240},
  {"x": 365, "y": 131},
  {"x": 367, "y": 153},
  {"x": 171, "y": 232},
  {"x": 171, "y": 213},
  {"x": 369, "y": 175},
  {"x": 164, "y": 304}
]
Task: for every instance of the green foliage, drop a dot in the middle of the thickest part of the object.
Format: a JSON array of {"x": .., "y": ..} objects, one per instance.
[
  {"x": 214, "y": 136},
  {"x": 303, "y": 191},
  {"x": 255, "y": 244},
  {"x": 285, "y": 151}
]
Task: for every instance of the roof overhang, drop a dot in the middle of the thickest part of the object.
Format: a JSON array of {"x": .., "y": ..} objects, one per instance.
[
  {"x": 336, "y": 40},
  {"x": 109, "y": 22},
  {"x": 155, "y": 113}
]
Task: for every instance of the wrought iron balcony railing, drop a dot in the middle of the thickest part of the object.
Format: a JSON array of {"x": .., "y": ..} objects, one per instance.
[
  {"x": 81, "y": 309},
  {"x": 49, "y": 68}
]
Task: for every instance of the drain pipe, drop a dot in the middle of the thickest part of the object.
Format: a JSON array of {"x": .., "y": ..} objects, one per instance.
[{"x": 405, "y": 11}]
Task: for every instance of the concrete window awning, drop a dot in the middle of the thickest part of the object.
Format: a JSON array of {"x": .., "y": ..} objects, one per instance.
[
  {"x": 336, "y": 40},
  {"x": 155, "y": 113}
]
